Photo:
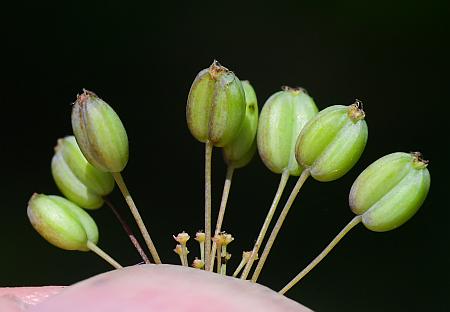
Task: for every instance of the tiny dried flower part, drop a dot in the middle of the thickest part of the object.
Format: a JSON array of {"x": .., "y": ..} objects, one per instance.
[
  {"x": 390, "y": 191},
  {"x": 240, "y": 151},
  {"x": 178, "y": 250},
  {"x": 76, "y": 178},
  {"x": 223, "y": 239},
  {"x": 200, "y": 237},
  {"x": 100, "y": 133},
  {"x": 282, "y": 118},
  {"x": 216, "y": 106},
  {"x": 198, "y": 264},
  {"x": 182, "y": 238},
  {"x": 61, "y": 222},
  {"x": 333, "y": 141}
]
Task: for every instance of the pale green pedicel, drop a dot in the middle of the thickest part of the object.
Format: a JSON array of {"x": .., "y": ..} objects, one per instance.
[
  {"x": 282, "y": 118},
  {"x": 328, "y": 147},
  {"x": 238, "y": 154},
  {"x": 103, "y": 140},
  {"x": 215, "y": 111},
  {"x": 384, "y": 196}
]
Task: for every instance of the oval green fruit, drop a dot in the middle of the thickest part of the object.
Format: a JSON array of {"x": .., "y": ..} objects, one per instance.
[
  {"x": 215, "y": 107},
  {"x": 100, "y": 133},
  {"x": 333, "y": 141},
  {"x": 240, "y": 151},
  {"x": 61, "y": 222},
  {"x": 390, "y": 191},
  {"x": 282, "y": 118},
  {"x": 77, "y": 179}
]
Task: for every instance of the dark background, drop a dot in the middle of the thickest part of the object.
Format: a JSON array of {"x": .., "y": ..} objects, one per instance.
[{"x": 142, "y": 57}]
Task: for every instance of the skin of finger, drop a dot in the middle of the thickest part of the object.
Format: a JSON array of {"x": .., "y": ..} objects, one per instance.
[
  {"x": 167, "y": 288},
  {"x": 20, "y": 298}
]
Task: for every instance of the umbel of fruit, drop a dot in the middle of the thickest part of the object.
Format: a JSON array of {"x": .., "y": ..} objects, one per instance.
[
  {"x": 77, "y": 179},
  {"x": 99, "y": 132},
  {"x": 332, "y": 142},
  {"x": 215, "y": 106},
  {"x": 282, "y": 118},
  {"x": 390, "y": 191}
]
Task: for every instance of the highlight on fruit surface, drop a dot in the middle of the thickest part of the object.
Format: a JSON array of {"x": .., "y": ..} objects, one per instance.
[
  {"x": 216, "y": 106},
  {"x": 282, "y": 118},
  {"x": 100, "y": 133},
  {"x": 61, "y": 222},
  {"x": 390, "y": 191},
  {"x": 240, "y": 151},
  {"x": 333, "y": 141},
  {"x": 76, "y": 178}
]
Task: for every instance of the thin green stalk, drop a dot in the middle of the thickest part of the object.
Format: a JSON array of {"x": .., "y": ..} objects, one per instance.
[
  {"x": 263, "y": 231},
  {"x": 128, "y": 230},
  {"x": 356, "y": 220},
  {"x": 123, "y": 188},
  {"x": 223, "y": 205},
  {"x": 208, "y": 155},
  {"x": 241, "y": 265},
  {"x": 223, "y": 268},
  {"x": 93, "y": 247},
  {"x": 277, "y": 227}
]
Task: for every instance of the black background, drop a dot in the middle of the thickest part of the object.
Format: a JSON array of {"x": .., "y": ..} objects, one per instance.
[{"x": 142, "y": 57}]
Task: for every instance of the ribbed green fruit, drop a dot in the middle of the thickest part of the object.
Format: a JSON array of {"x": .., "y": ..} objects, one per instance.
[
  {"x": 77, "y": 179},
  {"x": 216, "y": 106},
  {"x": 61, "y": 222},
  {"x": 100, "y": 133},
  {"x": 240, "y": 151},
  {"x": 390, "y": 191},
  {"x": 333, "y": 141},
  {"x": 282, "y": 118}
]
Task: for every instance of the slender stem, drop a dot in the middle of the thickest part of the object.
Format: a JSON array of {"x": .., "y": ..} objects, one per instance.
[
  {"x": 202, "y": 251},
  {"x": 184, "y": 253},
  {"x": 223, "y": 267},
  {"x": 322, "y": 255},
  {"x": 128, "y": 230},
  {"x": 208, "y": 155},
  {"x": 240, "y": 266},
  {"x": 219, "y": 258},
  {"x": 223, "y": 205},
  {"x": 277, "y": 227},
  {"x": 93, "y": 247},
  {"x": 263, "y": 231},
  {"x": 123, "y": 188}
]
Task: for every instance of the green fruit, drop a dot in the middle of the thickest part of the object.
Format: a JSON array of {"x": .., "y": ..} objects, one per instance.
[
  {"x": 99, "y": 133},
  {"x": 282, "y": 118},
  {"x": 333, "y": 141},
  {"x": 61, "y": 222},
  {"x": 240, "y": 151},
  {"x": 216, "y": 106},
  {"x": 390, "y": 191},
  {"x": 77, "y": 179}
]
